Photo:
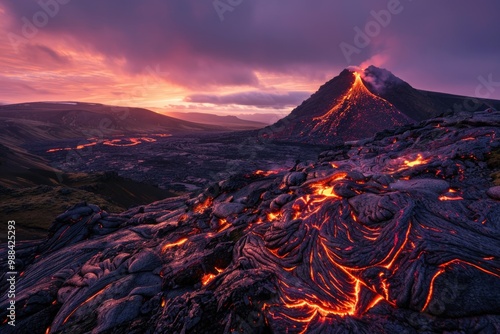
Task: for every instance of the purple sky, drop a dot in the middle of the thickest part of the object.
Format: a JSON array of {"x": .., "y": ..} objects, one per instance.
[{"x": 251, "y": 56}]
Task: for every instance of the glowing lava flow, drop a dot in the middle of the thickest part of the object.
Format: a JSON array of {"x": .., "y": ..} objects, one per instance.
[
  {"x": 119, "y": 142},
  {"x": 207, "y": 278},
  {"x": 78, "y": 147},
  {"x": 329, "y": 279},
  {"x": 325, "y": 189},
  {"x": 129, "y": 141},
  {"x": 266, "y": 173},
  {"x": 449, "y": 198},
  {"x": 398, "y": 166},
  {"x": 419, "y": 160},
  {"x": 363, "y": 109},
  {"x": 202, "y": 206},
  {"x": 442, "y": 269},
  {"x": 174, "y": 244}
]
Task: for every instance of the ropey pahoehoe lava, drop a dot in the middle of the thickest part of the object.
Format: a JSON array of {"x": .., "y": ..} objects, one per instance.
[{"x": 399, "y": 233}]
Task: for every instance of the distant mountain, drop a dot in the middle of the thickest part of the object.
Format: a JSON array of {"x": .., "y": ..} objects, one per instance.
[
  {"x": 267, "y": 118},
  {"x": 359, "y": 103},
  {"x": 73, "y": 117},
  {"x": 229, "y": 122}
]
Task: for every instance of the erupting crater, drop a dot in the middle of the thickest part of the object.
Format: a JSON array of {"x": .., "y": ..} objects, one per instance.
[{"x": 351, "y": 106}]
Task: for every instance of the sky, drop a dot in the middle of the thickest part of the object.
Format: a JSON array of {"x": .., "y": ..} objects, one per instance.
[{"x": 239, "y": 56}]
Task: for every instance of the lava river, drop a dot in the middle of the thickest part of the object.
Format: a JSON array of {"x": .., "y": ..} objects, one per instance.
[{"x": 119, "y": 142}]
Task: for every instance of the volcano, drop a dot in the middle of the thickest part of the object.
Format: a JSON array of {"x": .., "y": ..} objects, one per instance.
[{"x": 359, "y": 103}]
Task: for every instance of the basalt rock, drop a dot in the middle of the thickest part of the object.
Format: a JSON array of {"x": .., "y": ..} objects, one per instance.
[{"x": 396, "y": 234}]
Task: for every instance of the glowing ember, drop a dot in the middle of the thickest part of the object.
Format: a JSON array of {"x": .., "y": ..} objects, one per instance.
[
  {"x": 418, "y": 161},
  {"x": 201, "y": 207},
  {"x": 272, "y": 216},
  {"x": 207, "y": 278},
  {"x": 451, "y": 195},
  {"x": 266, "y": 173},
  {"x": 174, "y": 244},
  {"x": 448, "y": 198},
  {"x": 328, "y": 192},
  {"x": 325, "y": 189}
]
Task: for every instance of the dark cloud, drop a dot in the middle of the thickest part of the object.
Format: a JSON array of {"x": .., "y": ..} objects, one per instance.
[
  {"x": 11, "y": 86},
  {"x": 256, "y": 99},
  {"x": 441, "y": 45},
  {"x": 44, "y": 55}
]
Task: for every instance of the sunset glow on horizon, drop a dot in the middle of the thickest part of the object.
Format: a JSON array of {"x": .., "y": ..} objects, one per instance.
[{"x": 256, "y": 58}]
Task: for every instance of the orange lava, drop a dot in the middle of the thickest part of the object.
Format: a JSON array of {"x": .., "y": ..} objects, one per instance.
[
  {"x": 121, "y": 142},
  {"x": 448, "y": 198},
  {"x": 418, "y": 161},
  {"x": 202, "y": 206},
  {"x": 442, "y": 269},
  {"x": 85, "y": 302},
  {"x": 78, "y": 147},
  {"x": 129, "y": 141},
  {"x": 324, "y": 187},
  {"x": 266, "y": 173},
  {"x": 431, "y": 288},
  {"x": 207, "y": 278},
  {"x": 174, "y": 244},
  {"x": 223, "y": 225},
  {"x": 272, "y": 216}
]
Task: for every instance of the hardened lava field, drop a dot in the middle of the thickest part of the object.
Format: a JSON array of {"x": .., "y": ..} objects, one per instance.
[{"x": 399, "y": 233}]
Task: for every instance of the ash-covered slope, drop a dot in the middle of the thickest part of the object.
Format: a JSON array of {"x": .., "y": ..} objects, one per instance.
[{"x": 395, "y": 234}]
